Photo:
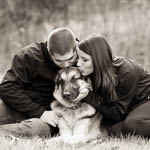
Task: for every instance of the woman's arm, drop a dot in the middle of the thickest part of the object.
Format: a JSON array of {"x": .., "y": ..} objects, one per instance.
[{"x": 117, "y": 109}]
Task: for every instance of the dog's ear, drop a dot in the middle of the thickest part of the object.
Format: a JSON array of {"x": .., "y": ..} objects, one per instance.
[
  {"x": 88, "y": 80},
  {"x": 56, "y": 79}
]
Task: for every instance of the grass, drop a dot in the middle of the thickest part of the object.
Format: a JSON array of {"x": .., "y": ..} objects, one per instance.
[{"x": 129, "y": 143}]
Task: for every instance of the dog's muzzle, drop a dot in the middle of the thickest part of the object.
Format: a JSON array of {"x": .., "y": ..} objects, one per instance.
[{"x": 69, "y": 95}]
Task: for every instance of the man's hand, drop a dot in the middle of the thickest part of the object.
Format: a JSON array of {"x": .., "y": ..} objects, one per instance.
[{"x": 50, "y": 117}]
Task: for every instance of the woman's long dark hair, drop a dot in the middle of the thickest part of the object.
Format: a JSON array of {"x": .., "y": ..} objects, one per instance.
[{"x": 104, "y": 63}]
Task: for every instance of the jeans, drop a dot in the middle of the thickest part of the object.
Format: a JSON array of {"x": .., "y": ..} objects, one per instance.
[
  {"x": 137, "y": 122},
  {"x": 14, "y": 123}
]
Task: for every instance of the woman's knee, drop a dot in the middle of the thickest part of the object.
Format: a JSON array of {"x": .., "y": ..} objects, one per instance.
[
  {"x": 138, "y": 126},
  {"x": 133, "y": 125},
  {"x": 35, "y": 127}
]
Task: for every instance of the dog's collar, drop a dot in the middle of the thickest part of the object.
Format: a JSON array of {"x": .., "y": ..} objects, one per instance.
[{"x": 76, "y": 106}]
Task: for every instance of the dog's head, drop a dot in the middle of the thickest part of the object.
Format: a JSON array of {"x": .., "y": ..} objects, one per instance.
[{"x": 71, "y": 82}]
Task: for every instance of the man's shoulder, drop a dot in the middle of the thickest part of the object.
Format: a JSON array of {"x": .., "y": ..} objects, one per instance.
[
  {"x": 32, "y": 51},
  {"x": 130, "y": 65},
  {"x": 127, "y": 68},
  {"x": 33, "y": 48},
  {"x": 130, "y": 69}
]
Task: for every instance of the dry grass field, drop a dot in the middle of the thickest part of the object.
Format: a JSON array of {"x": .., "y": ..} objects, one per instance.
[{"x": 129, "y": 143}]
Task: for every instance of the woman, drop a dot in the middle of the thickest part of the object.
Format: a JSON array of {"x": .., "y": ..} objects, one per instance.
[{"x": 121, "y": 87}]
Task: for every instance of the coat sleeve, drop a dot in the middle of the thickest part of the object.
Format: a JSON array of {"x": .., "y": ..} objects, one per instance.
[
  {"x": 13, "y": 89},
  {"x": 117, "y": 109}
]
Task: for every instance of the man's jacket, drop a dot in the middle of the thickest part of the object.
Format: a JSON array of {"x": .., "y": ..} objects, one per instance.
[{"x": 29, "y": 84}]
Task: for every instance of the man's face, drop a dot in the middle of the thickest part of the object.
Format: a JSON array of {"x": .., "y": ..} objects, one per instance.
[{"x": 65, "y": 60}]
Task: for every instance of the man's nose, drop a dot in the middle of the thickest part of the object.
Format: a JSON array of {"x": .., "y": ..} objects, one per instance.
[{"x": 66, "y": 64}]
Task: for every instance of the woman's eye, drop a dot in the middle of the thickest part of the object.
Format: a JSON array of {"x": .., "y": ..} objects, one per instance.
[{"x": 84, "y": 59}]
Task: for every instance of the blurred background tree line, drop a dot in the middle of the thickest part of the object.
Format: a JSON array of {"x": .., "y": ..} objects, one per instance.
[{"x": 125, "y": 23}]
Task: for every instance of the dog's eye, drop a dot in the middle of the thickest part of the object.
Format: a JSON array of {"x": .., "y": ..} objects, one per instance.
[
  {"x": 76, "y": 78},
  {"x": 61, "y": 81}
]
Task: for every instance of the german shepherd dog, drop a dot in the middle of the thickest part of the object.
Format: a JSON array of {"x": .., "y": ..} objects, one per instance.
[{"x": 78, "y": 121}]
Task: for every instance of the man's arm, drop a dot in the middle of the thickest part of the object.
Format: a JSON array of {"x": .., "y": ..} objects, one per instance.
[{"x": 13, "y": 89}]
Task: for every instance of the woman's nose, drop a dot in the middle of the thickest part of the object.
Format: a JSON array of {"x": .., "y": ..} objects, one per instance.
[{"x": 78, "y": 63}]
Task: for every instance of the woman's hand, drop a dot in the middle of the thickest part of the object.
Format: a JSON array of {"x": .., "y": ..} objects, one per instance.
[
  {"x": 83, "y": 93},
  {"x": 85, "y": 87}
]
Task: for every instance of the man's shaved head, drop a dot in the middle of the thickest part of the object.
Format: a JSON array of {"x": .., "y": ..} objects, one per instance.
[{"x": 61, "y": 41}]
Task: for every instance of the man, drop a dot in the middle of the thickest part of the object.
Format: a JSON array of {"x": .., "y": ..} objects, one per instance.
[{"x": 27, "y": 88}]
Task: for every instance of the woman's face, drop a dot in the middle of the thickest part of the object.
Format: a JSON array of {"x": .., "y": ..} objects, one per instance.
[{"x": 84, "y": 62}]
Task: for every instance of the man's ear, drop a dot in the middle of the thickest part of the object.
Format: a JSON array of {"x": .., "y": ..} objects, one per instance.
[{"x": 77, "y": 39}]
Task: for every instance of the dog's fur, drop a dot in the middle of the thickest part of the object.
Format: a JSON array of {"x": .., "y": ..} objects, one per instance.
[{"x": 78, "y": 121}]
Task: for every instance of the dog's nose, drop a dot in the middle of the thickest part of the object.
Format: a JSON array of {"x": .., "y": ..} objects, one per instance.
[{"x": 67, "y": 95}]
